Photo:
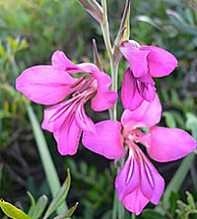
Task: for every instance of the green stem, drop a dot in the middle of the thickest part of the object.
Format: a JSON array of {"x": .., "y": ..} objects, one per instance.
[
  {"x": 113, "y": 66},
  {"x": 49, "y": 168},
  {"x": 118, "y": 211}
]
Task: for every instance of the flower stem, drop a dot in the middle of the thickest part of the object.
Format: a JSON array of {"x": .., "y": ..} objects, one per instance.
[
  {"x": 113, "y": 65},
  {"x": 118, "y": 211}
]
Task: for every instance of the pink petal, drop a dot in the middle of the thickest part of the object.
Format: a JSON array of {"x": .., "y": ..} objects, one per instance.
[
  {"x": 168, "y": 144},
  {"x": 106, "y": 140},
  {"x": 146, "y": 87},
  {"x": 136, "y": 57},
  {"x": 68, "y": 137},
  {"x": 55, "y": 116},
  {"x": 128, "y": 178},
  {"x": 131, "y": 99},
  {"x": 148, "y": 92},
  {"x": 61, "y": 62},
  {"x": 152, "y": 184},
  {"x": 60, "y": 119},
  {"x": 160, "y": 61},
  {"x": 84, "y": 122},
  {"x": 103, "y": 101},
  {"x": 138, "y": 182},
  {"x": 45, "y": 85},
  {"x": 104, "y": 98},
  {"x": 135, "y": 202},
  {"x": 146, "y": 115}
]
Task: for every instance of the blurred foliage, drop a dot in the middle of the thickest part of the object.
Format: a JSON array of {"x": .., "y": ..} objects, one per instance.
[
  {"x": 38, "y": 208},
  {"x": 31, "y": 30}
]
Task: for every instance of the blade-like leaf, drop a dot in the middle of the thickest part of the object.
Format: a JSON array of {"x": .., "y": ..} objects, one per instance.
[
  {"x": 60, "y": 196},
  {"x": 68, "y": 213},
  {"x": 49, "y": 168},
  {"x": 39, "y": 207},
  {"x": 33, "y": 203},
  {"x": 96, "y": 56},
  {"x": 12, "y": 212},
  {"x": 124, "y": 30}
]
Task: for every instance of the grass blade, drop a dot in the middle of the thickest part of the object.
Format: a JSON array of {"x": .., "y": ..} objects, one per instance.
[{"x": 49, "y": 168}]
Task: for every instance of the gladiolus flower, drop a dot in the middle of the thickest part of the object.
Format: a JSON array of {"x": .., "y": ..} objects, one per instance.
[
  {"x": 138, "y": 182},
  {"x": 145, "y": 63},
  {"x": 65, "y": 97}
]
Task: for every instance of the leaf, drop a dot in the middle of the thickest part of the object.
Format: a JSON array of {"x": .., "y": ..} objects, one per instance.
[
  {"x": 12, "y": 212},
  {"x": 148, "y": 20},
  {"x": 124, "y": 30},
  {"x": 96, "y": 56},
  {"x": 169, "y": 118},
  {"x": 152, "y": 214},
  {"x": 60, "y": 196},
  {"x": 173, "y": 202},
  {"x": 191, "y": 124},
  {"x": 177, "y": 179},
  {"x": 190, "y": 200},
  {"x": 39, "y": 207},
  {"x": 33, "y": 203},
  {"x": 68, "y": 213},
  {"x": 49, "y": 168}
]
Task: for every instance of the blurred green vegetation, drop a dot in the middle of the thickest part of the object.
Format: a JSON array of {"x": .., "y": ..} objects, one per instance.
[{"x": 29, "y": 32}]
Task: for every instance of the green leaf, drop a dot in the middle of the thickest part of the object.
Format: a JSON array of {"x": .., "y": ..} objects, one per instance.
[
  {"x": 148, "y": 20},
  {"x": 12, "y": 212},
  {"x": 174, "y": 197},
  {"x": 191, "y": 124},
  {"x": 190, "y": 200},
  {"x": 49, "y": 168},
  {"x": 39, "y": 207},
  {"x": 124, "y": 30},
  {"x": 152, "y": 214},
  {"x": 178, "y": 179},
  {"x": 33, "y": 203},
  {"x": 169, "y": 118},
  {"x": 97, "y": 60},
  {"x": 60, "y": 196},
  {"x": 68, "y": 213}
]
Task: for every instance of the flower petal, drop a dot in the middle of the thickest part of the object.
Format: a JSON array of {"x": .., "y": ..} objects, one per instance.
[
  {"x": 55, "y": 116},
  {"x": 146, "y": 115},
  {"x": 131, "y": 99},
  {"x": 168, "y": 144},
  {"x": 160, "y": 61},
  {"x": 68, "y": 136},
  {"x": 135, "y": 202},
  {"x": 104, "y": 98},
  {"x": 152, "y": 184},
  {"x": 128, "y": 178},
  {"x": 61, "y": 62},
  {"x": 103, "y": 101},
  {"x": 45, "y": 85},
  {"x": 84, "y": 122},
  {"x": 60, "y": 119},
  {"x": 106, "y": 140},
  {"x": 136, "y": 57},
  {"x": 138, "y": 182}
]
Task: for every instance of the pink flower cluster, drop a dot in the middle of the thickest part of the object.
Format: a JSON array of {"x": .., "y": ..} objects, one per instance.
[{"x": 65, "y": 88}]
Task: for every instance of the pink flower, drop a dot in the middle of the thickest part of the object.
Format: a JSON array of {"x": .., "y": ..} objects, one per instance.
[
  {"x": 145, "y": 63},
  {"x": 65, "y": 95},
  {"x": 138, "y": 182}
]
